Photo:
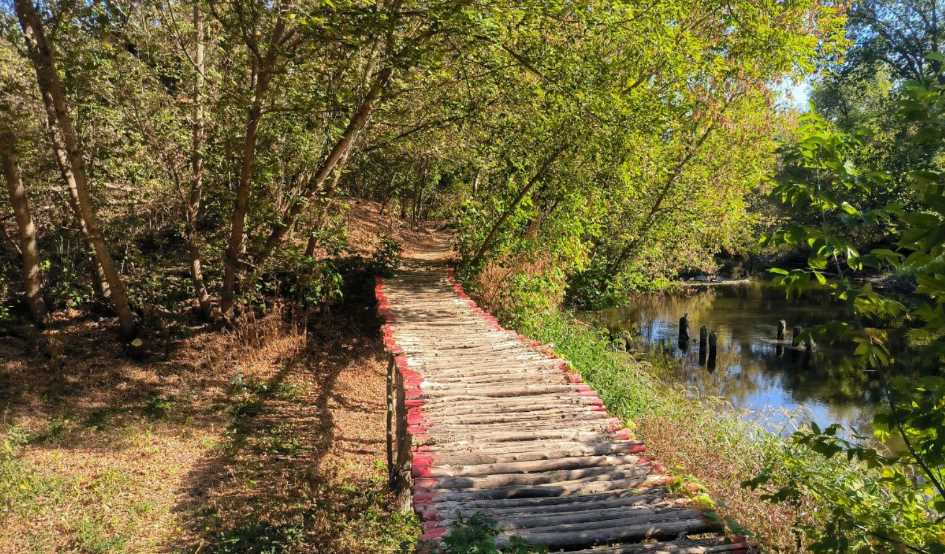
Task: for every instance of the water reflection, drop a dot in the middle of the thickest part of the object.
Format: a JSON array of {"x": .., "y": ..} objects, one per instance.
[{"x": 767, "y": 378}]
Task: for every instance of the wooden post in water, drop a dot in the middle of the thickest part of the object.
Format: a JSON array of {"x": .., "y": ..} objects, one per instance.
[
  {"x": 403, "y": 480},
  {"x": 684, "y": 332},
  {"x": 713, "y": 344},
  {"x": 782, "y": 327},
  {"x": 703, "y": 343},
  {"x": 796, "y": 336}
]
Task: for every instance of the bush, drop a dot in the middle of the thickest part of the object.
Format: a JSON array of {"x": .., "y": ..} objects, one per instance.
[{"x": 387, "y": 257}]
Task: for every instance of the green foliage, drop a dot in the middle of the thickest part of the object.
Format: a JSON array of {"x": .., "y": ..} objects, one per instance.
[
  {"x": 259, "y": 538},
  {"x": 899, "y": 497},
  {"x": 303, "y": 279},
  {"x": 387, "y": 258},
  {"x": 158, "y": 406},
  {"x": 477, "y": 535},
  {"x": 606, "y": 174}
]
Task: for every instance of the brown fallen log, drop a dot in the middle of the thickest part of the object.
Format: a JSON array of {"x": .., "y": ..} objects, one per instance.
[
  {"x": 499, "y": 505},
  {"x": 549, "y": 452},
  {"x": 509, "y": 419},
  {"x": 514, "y": 377},
  {"x": 557, "y": 403},
  {"x": 533, "y": 437},
  {"x": 596, "y": 518},
  {"x": 614, "y": 533},
  {"x": 567, "y": 504},
  {"x": 460, "y": 399},
  {"x": 683, "y": 546},
  {"x": 500, "y": 432},
  {"x": 588, "y": 519},
  {"x": 628, "y": 471},
  {"x": 573, "y": 462},
  {"x": 443, "y": 450},
  {"x": 460, "y": 370},
  {"x": 500, "y": 392},
  {"x": 590, "y": 485}
]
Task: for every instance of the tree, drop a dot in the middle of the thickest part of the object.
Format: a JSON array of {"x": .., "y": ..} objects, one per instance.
[
  {"x": 26, "y": 230},
  {"x": 898, "y": 499},
  {"x": 69, "y": 155}
]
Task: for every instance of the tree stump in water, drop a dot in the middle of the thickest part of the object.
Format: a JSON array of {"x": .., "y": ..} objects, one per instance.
[
  {"x": 684, "y": 332},
  {"x": 782, "y": 327},
  {"x": 796, "y": 336},
  {"x": 713, "y": 350}
]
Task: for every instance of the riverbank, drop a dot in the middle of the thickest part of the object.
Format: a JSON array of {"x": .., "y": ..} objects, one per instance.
[{"x": 703, "y": 442}]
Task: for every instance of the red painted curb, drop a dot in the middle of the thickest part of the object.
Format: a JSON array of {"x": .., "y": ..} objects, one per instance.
[{"x": 422, "y": 457}]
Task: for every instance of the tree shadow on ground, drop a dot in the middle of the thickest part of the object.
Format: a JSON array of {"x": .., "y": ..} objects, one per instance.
[
  {"x": 88, "y": 391},
  {"x": 265, "y": 438},
  {"x": 300, "y": 465}
]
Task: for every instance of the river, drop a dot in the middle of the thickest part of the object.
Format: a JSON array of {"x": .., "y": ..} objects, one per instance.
[{"x": 768, "y": 382}]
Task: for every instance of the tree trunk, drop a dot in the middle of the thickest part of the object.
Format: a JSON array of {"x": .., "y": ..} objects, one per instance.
[
  {"x": 69, "y": 153},
  {"x": 235, "y": 247},
  {"x": 542, "y": 170},
  {"x": 26, "y": 231},
  {"x": 192, "y": 208},
  {"x": 336, "y": 159},
  {"x": 654, "y": 209}
]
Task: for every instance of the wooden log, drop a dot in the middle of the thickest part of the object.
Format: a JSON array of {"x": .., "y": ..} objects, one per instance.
[
  {"x": 519, "y": 377},
  {"x": 486, "y": 482},
  {"x": 682, "y": 546},
  {"x": 436, "y": 367},
  {"x": 530, "y": 437},
  {"x": 498, "y": 432},
  {"x": 551, "y": 451},
  {"x": 505, "y": 418},
  {"x": 615, "y": 532},
  {"x": 591, "y": 519},
  {"x": 535, "y": 466},
  {"x": 782, "y": 327},
  {"x": 796, "y": 336},
  {"x": 453, "y": 391},
  {"x": 569, "y": 502},
  {"x": 566, "y": 504},
  {"x": 491, "y": 390},
  {"x": 512, "y": 405},
  {"x": 589, "y": 485},
  {"x": 404, "y": 477}
]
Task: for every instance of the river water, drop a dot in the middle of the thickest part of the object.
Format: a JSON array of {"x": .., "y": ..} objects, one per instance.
[{"x": 770, "y": 382}]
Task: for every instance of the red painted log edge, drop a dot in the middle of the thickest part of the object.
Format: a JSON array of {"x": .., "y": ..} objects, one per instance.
[{"x": 422, "y": 457}]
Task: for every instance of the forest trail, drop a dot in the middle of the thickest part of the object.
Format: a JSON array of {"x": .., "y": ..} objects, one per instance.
[{"x": 500, "y": 428}]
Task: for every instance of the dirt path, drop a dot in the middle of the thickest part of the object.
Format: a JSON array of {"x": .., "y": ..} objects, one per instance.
[{"x": 500, "y": 428}]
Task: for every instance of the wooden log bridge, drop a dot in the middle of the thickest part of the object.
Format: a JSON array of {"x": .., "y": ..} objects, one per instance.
[{"x": 481, "y": 421}]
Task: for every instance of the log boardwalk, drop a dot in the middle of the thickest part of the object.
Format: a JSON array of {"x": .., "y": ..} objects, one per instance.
[{"x": 495, "y": 426}]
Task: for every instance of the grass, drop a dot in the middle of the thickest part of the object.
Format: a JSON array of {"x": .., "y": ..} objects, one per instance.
[
  {"x": 265, "y": 438},
  {"x": 705, "y": 444}
]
